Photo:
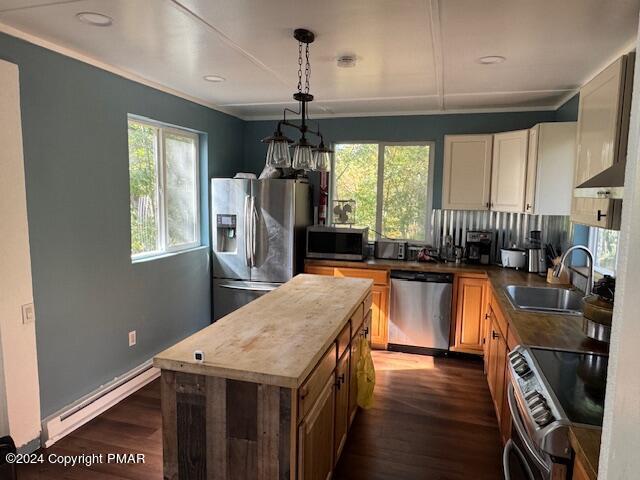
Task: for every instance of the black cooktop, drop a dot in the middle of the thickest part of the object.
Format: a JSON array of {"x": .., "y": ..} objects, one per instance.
[{"x": 578, "y": 381}]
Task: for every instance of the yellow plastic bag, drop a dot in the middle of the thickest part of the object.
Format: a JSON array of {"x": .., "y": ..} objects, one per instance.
[{"x": 366, "y": 373}]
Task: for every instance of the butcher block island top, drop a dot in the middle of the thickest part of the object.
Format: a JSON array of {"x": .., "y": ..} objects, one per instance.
[{"x": 275, "y": 340}]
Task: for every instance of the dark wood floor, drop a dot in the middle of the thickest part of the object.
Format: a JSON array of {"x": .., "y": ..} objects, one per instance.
[{"x": 432, "y": 419}]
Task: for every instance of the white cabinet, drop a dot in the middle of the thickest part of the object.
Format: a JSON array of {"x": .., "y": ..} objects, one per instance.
[
  {"x": 467, "y": 172},
  {"x": 599, "y": 117},
  {"x": 550, "y": 168},
  {"x": 602, "y": 131},
  {"x": 509, "y": 171},
  {"x": 523, "y": 171}
]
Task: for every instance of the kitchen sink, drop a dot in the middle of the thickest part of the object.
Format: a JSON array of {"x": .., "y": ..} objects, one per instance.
[{"x": 545, "y": 299}]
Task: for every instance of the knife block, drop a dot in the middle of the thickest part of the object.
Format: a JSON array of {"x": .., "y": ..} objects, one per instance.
[{"x": 563, "y": 279}]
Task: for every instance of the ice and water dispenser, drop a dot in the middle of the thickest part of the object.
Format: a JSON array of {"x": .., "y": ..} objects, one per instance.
[{"x": 226, "y": 238}]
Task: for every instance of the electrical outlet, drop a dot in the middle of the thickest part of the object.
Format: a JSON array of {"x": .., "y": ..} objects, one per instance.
[
  {"x": 132, "y": 338},
  {"x": 28, "y": 313}
]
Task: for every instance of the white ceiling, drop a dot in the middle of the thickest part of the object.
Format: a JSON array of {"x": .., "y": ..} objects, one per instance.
[{"x": 414, "y": 56}]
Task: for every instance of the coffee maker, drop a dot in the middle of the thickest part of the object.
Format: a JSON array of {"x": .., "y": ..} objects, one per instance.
[{"x": 479, "y": 247}]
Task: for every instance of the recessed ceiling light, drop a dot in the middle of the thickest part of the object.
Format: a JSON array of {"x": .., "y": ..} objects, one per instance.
[
  {"x": 214, "y": 78},
  {"x": 95, "y": 19},
  {"x": 491, "y": 59},
  {"x": 346, "y": 61}
]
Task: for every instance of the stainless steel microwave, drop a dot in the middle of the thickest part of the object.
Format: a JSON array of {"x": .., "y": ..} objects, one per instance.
[{"x": 337, "y": 243}]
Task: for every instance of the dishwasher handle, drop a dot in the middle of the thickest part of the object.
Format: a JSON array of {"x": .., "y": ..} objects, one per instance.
[{"x": 427, "y": 277}]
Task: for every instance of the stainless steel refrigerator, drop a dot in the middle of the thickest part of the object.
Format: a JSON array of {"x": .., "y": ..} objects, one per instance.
[{"x": 258, "y": 229}]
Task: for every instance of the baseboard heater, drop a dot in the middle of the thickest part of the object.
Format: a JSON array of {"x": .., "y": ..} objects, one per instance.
[{"x": 70, "y": 418}]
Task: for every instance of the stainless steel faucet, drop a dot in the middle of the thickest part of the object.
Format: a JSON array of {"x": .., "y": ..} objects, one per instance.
[{"x": 558, "y": 269}]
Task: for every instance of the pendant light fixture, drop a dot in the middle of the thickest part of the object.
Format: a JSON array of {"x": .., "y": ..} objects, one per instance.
[{"x": 306, "y": 156}]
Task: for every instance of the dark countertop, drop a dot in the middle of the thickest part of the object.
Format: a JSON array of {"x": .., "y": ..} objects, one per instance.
[
  {"x": 528, "y": 328},
  {"x": 532, "y": 329},
  {"x": 585, "y": 441}
]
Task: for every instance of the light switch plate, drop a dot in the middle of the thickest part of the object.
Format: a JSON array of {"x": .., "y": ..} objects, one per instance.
[
  {"x": 28, "y": 314},
  {"x": 132, "y": 338}
]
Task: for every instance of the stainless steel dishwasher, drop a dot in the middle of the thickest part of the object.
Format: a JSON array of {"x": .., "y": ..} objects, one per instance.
[{"x": 420, "y": 317}]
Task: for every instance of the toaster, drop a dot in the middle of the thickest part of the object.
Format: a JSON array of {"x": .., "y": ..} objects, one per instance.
[{"x": 390, "y": 249}]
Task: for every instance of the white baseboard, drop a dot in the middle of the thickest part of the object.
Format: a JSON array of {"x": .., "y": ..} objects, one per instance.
[{"x": 65, "y": 421}]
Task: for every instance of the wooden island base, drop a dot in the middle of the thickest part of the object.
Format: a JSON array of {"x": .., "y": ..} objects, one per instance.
[
  {"x": 216, "y": 428},
  {"x": 277, "y": 403}
]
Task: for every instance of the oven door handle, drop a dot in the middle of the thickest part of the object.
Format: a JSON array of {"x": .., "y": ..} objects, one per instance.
[
  {"x": 510, "y": 446},
  {"x": 522, "y": 431}
]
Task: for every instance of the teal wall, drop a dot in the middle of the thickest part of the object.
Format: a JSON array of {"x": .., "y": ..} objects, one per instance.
[
  {"x": 569, "y": 111},
  {"x": 397, "y": 129},
  {"x": 88, "y": 295}
]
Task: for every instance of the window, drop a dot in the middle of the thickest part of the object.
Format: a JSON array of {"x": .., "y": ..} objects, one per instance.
[
  {"x": 604, "y": 245},
  {"x": 390, "y": 183},
  {"x": 164, "y": 193}
]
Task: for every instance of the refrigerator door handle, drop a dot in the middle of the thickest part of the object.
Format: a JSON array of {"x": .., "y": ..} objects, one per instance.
[
  {"x": 254, "y": 228},
  {"x": 263, "y": 288},
  {"x": 247, "y": 232}
]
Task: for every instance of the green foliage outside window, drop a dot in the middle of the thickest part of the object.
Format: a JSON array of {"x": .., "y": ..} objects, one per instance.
[
  {"x": 143, "y": 180},
  {"x": 404, "y": 193}
]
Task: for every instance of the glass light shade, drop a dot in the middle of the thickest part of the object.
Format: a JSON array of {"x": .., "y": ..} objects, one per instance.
[
  {"x": 303, "y": 157},
  {"x": 278, "y": 154},
  {"x": 322, "y": 161}
]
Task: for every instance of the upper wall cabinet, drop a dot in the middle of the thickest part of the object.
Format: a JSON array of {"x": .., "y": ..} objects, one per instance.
[
  {"x": 509, "y": 171},
  {"x": 599, "y": 121},
  {"x": 467, "y": 172},
  {"x": 550, "y": 165},
  {"x": 603, "y": 125}
]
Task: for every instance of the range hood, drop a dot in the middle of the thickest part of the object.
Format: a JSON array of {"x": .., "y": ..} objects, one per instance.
[{"x": 607, "y": 184}]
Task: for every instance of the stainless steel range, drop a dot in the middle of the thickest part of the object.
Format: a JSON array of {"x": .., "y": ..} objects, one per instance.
[{"x": 549, "y": 390}]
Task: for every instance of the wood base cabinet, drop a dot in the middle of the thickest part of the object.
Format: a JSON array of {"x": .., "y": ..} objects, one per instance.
[
  {"x": 379, "y": 317},
  {"x": 496, "y": 368},
  {"x": 342, "y": 402},
  {"x": 471, "y": 301},
  {"x": 315, "y": 437},
  {"x": 379, "y": 334}
]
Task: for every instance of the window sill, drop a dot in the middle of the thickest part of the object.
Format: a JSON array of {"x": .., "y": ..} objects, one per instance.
[{"x": 160, "y": 256}]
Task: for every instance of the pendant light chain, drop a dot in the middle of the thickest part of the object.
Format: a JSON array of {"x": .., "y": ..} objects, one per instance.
[
  {"x": 300, "y": 66},
  {"x": 307, "y": 71}
]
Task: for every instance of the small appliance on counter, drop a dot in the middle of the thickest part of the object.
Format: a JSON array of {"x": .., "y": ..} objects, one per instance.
[
  {"x": 537, "y": 262},
  {"x": 337, "y": 243},
  {"x": 414, "y": 249},
  {"x": 479, "y": 247},
  {"x": 598, "y": 310},
  {"x": 514, "y": 257},
  {"x": 390, "y": 249}
]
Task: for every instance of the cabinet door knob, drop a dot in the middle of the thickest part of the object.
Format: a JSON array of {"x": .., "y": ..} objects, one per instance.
[
  {"x": 528, "y": 206},
  {"x": 600, "y": 215},
  {"x": 304, "y": 391},
  {"x": 486, "y": 316},
  {"x": 494, "y": 335}
]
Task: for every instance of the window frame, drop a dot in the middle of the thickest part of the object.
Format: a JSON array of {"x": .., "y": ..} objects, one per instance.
[
  {"x": 593, "y": 245},
  {"x": 380, "y": 180},
  {"x": 161, "y": 168}
]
